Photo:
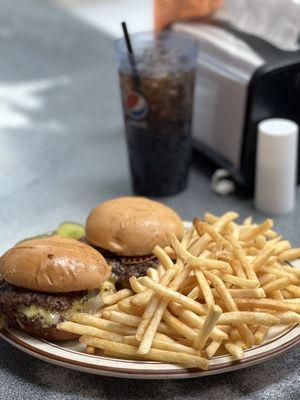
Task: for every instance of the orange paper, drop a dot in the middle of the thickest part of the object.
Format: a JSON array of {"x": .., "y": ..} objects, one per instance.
[{"x": 168, "y": 11}]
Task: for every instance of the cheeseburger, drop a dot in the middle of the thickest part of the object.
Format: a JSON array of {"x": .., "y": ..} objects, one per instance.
[
  {"x": 126, "y": 230},
  {"x": 44, "y": 280}
]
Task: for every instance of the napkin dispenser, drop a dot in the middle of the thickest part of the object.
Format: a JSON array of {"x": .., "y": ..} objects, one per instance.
[{"x": 240, "y": 80}]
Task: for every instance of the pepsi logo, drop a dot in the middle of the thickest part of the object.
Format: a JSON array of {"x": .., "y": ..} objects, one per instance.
[{"x": 136, "y": 106}]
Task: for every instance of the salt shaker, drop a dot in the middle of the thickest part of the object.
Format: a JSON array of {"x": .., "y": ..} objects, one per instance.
[{"x": 276, "y": 164}]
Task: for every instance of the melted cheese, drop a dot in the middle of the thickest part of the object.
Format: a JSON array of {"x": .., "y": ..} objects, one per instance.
[
  {"x": 108, "y": 287},
  {"x": 47, "y": 317}
]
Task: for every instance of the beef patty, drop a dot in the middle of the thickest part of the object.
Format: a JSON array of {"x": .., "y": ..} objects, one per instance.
[
  {"x": 123, "y": 267},
  {"x": 21, "y": 306}
]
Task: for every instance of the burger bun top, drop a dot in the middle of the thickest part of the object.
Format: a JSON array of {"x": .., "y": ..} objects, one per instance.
[
  {"x": 54, "y": 264},
  {"x": 132, "y": 226}
]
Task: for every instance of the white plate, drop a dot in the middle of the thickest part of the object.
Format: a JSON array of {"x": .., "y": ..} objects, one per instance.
[{"x": 69, "y": 354}]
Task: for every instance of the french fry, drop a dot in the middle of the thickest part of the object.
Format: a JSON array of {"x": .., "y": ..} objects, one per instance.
[
  {"x": 246, "y": 317},
  {"x": 180, "y": 250},
  {"x": 289, "y": 255},
  {"x": 219, "y": 224},
  {"x": 148, "y": 337},
  {"x": 239, "y": 253},
  {"x": 111, "y": 299},
  {"x": 258, "y": 230},
  {"x": 225, "y": 255},
  {"x": 112, "y": 307},
  {"x": 241, "y": 282},
  {"x": 241, "y": 293},
  {"x": 73, "y": 327},
  {"x": 235, "y": 350},
  {"x": 260, "y": 241},
  {"x": 294, "y": 290},
  {"x": 195, "y": 293},
  {"x": 200, "y": 262},
  {"x": 163, "y": 257},
  {"x": 252, "y": 251},
  {"x": 161, "y": 270},
  {"x": 189, "y": 281},
  {"x": 225, "y": 219},
  {"x": 278, "y": 284},
  {"x": 193, "y": 244},
  {"x": 180, "y": 327},
  {"x": 222, "y": 291},
  {"x": 282, "y": 246},
  {"x": 268, "y": 304},
  {"x": 262, "y": 258},
  {"x": 126, "y": 306},
  {"x": 205, "y": 288},
  {"x": 266, "y": 278},
  {"x": 260, "y": 334},
  {"x": 135, "y": 285},
  {"x": 286, "y": 317},
  {"x": 100, "y": 323},
  {"x": 122, "y": 318},
  {"x": 234, "y": 335},
  {"x": 280, "y": 272},
  {"x": 199, "y": 245},
  {"x": 210, "y": 218},
  {"x": 231, "y": 229},
  {"x": 241, "y": 344},
  {"x": 270, "y": 234},
  {"x": 247, "y": 221},
  {"x": 153, "y": 274},
  {"x": 202, "y": 227},
  {"x": 164, "y": 345},
  {"x": 231, "y": 306},
  {"x": 272, "y": 241},
  {"x": 194, "y": 321},
  {"x": 187, "y": 237},
  {"x": 292, "y": 270},
  {"x": 164, "y": 338},
  {"x": 146, "y": 342},
  {"x": 214, "y": 345},
  {"x": 294, "y": 300},
  {"x": 133, "y": 321},
  {"x": 276, "y": 294},
  {"x": 154, "y": 354},
  {"x": 254, "y": 327},
  {"x": 174, "y": 296},
  {"x": 238, "y": 269},
  {"x": 90, "y": 350},
  {"x": 207, "y": 327},
  {"x": 170, "y": 252},
  {"x": 141, "y": 299},
  {"x": 152, "y": 306},
  {"x": 286, "y": 294}
]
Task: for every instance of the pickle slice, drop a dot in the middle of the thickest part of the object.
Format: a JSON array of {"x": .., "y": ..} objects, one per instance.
[{"x": 70, "y": 230}]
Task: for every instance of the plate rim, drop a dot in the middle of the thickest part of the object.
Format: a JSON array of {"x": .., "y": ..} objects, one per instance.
[
  {"x": 15, "y": 338},
  {"x": 25, "y": 343}
]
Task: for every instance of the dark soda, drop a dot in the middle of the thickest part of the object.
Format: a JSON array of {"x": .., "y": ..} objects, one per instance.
[{"x": 158, "y": 114}]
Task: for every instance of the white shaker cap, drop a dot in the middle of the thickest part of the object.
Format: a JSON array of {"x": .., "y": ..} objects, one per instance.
[{"x": 276, "y": 164}]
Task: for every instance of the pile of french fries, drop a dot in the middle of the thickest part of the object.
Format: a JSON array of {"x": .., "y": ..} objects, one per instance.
[{"x": 218, "y": 291}]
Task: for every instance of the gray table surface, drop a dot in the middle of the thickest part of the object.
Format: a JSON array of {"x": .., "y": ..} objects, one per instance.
[{"x": 62, "y": 151}]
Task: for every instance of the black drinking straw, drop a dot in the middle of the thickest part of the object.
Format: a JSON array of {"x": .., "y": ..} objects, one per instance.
[{"x": 131, "y": 56}]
